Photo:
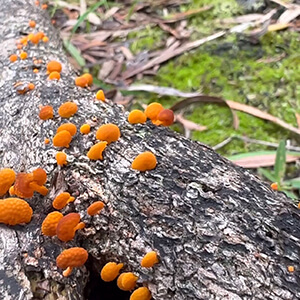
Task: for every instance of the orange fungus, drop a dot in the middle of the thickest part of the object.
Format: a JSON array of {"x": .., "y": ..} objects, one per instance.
[
  {"x": 46, "y": 112},
  {"x": 32, "y": 23},
  {"x": 153, "y": 110},
  {"x": 108, "y": 132},
  {"x": 50, "y": 223},
  {"x": 149, "y": 259},
  {"x": 61, "y": 158},
  {"x": 100, "y": 95},
  {"x": 89, "y": 78},
  {"x": 81, "y": 81},
  {"x": 54, "y": 66},
  {"x": 7, "y": 178},
  {"x": 62, "y": 200},
  {"x": 54, "y": 76},
  {"x": 14, "y": 211},
  {"x": 144, "y": 161},
  {"x": 110, "y": 271},
  {"x": 141, "y": 293},
  {"x": 127, "y": 281},
  {"x": 95, "y": 208},
  {"x": 166, "y": 117},
  {"x": 23, "y": 55},
  {"x": 95, "y": 151},
  {"x": 69, "y": 127},
  {"x": 67, "y": 109},
  {"x": 13, "y": 58},
  {"x": 85, "y": 129},
  {"x": 62, "y": 139},
  {"x": 136, "y": 116}
]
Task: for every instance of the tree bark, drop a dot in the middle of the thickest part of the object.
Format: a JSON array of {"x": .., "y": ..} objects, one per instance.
[{"x": 219, "y": 231}]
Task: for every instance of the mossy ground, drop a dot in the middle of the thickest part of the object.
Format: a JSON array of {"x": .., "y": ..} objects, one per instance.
[{"x": 231, "y": 68}]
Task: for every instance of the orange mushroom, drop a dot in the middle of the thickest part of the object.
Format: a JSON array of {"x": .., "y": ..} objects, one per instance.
[
  {"x": 62, "y": 139},
  {"x": 7, "y": 178},
  {"x": 100, "y": 95},
  {"x": 95, "y": 208},
  {"x": 32, "y": 23},
  {"x": 46, "y": 141},
  {"x": 39, "y": 176},
  {"x": 149, "y": 260},
  {"x": 15, "y": 211},
  {"x": 31, "y": 86},
  {"x": 153, "y": 110},
  {"x": 88, "y": 77},
  {"x": 137, "y": 116},
  {"x": 45, "y": 39},
  {"x": 69, "y": 127},
  {"x": 67, "y": 109},
  {"x": 81, "y": 81},
  {"x": 50, "y": 223},
  {"x": 95, "y": 151},
  {"x": 166, "y": 117},
  {"x": 67, "y": 226},
  {"x": 85, "y": 129},
  {"x": 144, "y": 162},
  {"x": 13, "y": 58},
  {"x": 127, "y": 281},
  {"x": 54, "y": 76},
  {"x": 71, "y": 258},
  {"x": 34, "y": 38},
  {"x": 35, "y": 70},
  {"x": 141, "y": 293},
  {"x": 23, "y": 55},
  {"x": 62, "y": 200},
  {"x": 108, "y": 132},
  {"x": 274, "y": 186},
  {"x": 46, "y": 112},
  {"x": 110, "y": 271},
  {"x": 44, "y": 6},
  {"x": 54, "y": 66},
  {"x": 61, "y": 158}
]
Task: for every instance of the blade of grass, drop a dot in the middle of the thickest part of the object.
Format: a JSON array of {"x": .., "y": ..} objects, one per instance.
[
  {"x": 74, "y": 52},
  {"x": 280, "y": 162},
  {"x": 267, "y": 174}
]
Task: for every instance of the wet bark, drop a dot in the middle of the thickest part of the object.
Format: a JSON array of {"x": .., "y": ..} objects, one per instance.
[{"x": 220, "y": 232}]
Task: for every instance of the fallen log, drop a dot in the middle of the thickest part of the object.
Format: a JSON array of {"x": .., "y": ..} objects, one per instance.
[{"x": 219, "y": 231}]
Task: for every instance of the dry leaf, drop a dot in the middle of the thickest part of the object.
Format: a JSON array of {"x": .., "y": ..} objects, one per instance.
[
  {"x": 106, "y": 69},
  {"x": 277, "y": 26},
  {"x": 290, "y": 14}
]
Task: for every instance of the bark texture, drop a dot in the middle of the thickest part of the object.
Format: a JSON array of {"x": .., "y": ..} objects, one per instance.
[{"x": 220, "y": 232}]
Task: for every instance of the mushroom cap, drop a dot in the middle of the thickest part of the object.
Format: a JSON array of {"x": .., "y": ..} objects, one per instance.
[
  {"x": 46, "y": 112},
  {"x": 127, "y": 281},
  {"x": 141, "y": 293},
  {"x": 14, "y": 211},
  {"x": 73, "y": 257},
  {"x": 54, "y": 75},
  {"x": 50, "y": 223},
  {"x": 13, "y": 58},
  {"x": 66, "y": 227},
  {"x": 23, "y": 55},
  {"x": 62, "y": 139},
  {"x": 166, "y": 117},
  {"x": 100, "y": 95},
  {"x": 67, "y": 109},
  {"x": 88, "y": 77},
  {"x": 144, "y": 161},
  {"x": 81, "y": 81},
  {"x": 61, "y": 158},
  {"x": 137, "y": 116},
  {"x": 85, "y": 129},
  {"x": 95, "y": 151},
  {"x": 149, "y": 259},
  {"x": 108, "y": 132},
  {"x": 110, "y": 271},
  {"x": 62, "y": 200},
  {"x": 7, "y": 178},
  {"x": 54, "y": 66},
  {"x": 22, "y": 185},
  {"x": 153, "y": 110},
  {"x": 39, "y": 176},
  {"x": 69, "y": 127},
  {"x": 95, "y": 208}
]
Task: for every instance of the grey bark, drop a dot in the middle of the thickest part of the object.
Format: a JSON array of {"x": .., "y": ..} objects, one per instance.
[{"x": 220, "y": 232}]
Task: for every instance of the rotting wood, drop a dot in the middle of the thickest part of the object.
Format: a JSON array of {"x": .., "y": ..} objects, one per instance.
[{"x": 220, "y": 232}]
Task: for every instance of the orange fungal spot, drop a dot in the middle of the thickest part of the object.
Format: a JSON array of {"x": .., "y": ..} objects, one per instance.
[
  {"x": 50, "y": 223},
  {"x": 144, "y": 162},
  {"x": 13, "y": 58},
  {"x": 62, "y": 200},
  {"x": 291, "y": 269},
  {"x": 89, "y": 78},
  {"x": 54, "y": 76},
  {"x": 62, "y": 139},
  {"x": 37, "y": 2},
  {"x": 71, "y": 258},
  {"x": 7, "y": 178},
  {"x": 95, "y": 151},
  {"x": 274, "y": 186},
  {"x": 100, "y": 95},
  {"x": 32, "y": 23},
  {"x": 45, "y": 39},
  {"x": 141, "y": 293},
  {"x": 108, "y": 132},
  {"x": 153, "y": 110},
  {"x": 35, "y": 70},
  {"x": 110, "y": 271},
  {"x": 54, "y": 66},
  {"x": 67, "y": 109},
  {"x": 127, "y": 281},
  {"x": 31, "y": 86},
  {"x": 46, "y": 112},
  {"x": 85, "y": 129},
  {"x": 44, "y": 6},
  {"x": 69, "y": 127},
  {"x": 166, "y": 117},
  {"x": 81, "y": 81},
  {"x": 61, "y": 158},
  {"x": 14, "y": 211},
  {"x": 23, "y": 55},
  {"x": 149, "y": 260},
  {"x": 137, "y": 116},
  {"x": 46, "y": 141},
  {"x": 95, "y": 208}
]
